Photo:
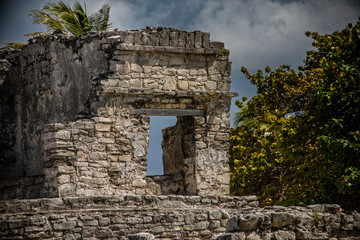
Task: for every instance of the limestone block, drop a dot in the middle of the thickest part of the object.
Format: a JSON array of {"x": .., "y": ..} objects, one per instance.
[
  {"x": 139, "y": 183},
  {"x": 66, "y": 190},
  {"x": 120, "y": 68},
  {"x": 183, "y": 85},
  {"x": 110, "y": 82},
  {"x": 198, "y": 39},
  {"x": 170, "y": 71},
  {"x": 151, "y": 84},
  {"x": 282, "y": 219},
  {"x": 145, "y": 39},
  {"x": 190, "y": 39},
  {"x": 136, "y": 68},
  {"x": 123, "y": 83},
  {"x": 201, "y": 225},
  {"x": 159, "y": 229},
  {"x": 175, "y": 61},
  {"x": 211, "y": 85},
  {"x": 102, "y": 127},
  {"x": 172, "y": 204},
  {"x": 135, "y": 83},
  {"x": 253, "y": 236},
  {"x": 97, "y": 155},
  {"x": 84, "y": 124},
  {"x": 64, "y": 179},
  {"x": 174, "y": 39},
  {"x": 140, "y": 191},
  {"x": 223, "y": 178},
  {"x": 124, "y": 158},
  {"x": 61, "y": 134},
  {"x": 141, "y": 236},
  {"x": 65, "y": 169},
  {"x": 66, "y": 225},
  {"x": 215, "y": 214},
  {"x": 100, "y": 181},
  {"x": 155, "y": 40},
  {"x": 284, "y": 235},
  {"x": 129, "y": 38},
  {"x": 164, "y": 37},
  {"x": 86, "y": 180},
  {"x": 306, "y": 234},
  {"x": 170, "y": 83},
  {"x": 107, "y": 140},
  {"x": 49, "y": 145},
  {"x": 206, "y": 39},
  {"x": 103, "y": 234}
]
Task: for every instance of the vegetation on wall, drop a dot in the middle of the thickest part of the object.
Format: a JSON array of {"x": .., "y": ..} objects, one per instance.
[{"x": 297, "y": 141}]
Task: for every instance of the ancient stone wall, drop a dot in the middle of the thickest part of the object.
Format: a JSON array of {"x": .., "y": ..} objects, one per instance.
[
  {"x": 325, "y": 221},
  {"x": 172, "y": 217},
  {"x": 79, "y": 116},
  {"x": 165, "y": 217}
]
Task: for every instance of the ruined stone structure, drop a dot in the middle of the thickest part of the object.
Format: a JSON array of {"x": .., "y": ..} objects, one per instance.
[
  {"x": 74, "y": 132},
  {"x": 78, "y": 119}
]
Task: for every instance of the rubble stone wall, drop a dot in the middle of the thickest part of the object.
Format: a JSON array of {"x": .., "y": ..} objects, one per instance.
[
  {"x": 325, "y": 221},
  {"x": 164, "y": 217},
  {"x": 79, "y": 116},
  {"x": 172, "y": 217}
]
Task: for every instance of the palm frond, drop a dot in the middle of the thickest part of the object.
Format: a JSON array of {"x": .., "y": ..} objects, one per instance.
[
  {"x": 81, "y": 16},
  {"x": 100, "y": 21},
  {"x": 35, "y": 34},
  {"x": 41, "y": 17},
  {"x": 59, "y": 15},
  {"x": 13, "y": 45}
]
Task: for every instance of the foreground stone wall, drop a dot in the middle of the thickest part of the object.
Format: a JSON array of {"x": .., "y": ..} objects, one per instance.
[
  {"x": 313, "y": 222},
  {"x": 165, "y": 217},
  {"x": 172, "y": 217},
  {"x": 78, "y": 119}
]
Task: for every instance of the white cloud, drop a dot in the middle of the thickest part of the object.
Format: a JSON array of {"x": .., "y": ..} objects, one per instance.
[{"x": 261, "y": 32}]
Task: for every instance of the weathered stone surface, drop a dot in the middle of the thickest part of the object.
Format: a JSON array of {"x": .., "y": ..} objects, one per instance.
[
  {"x": 80, "y": 93},
  {"x": 141, "y": 236},
  {"x": 282, "y": 219},
  {"x": 293, "y": 223}
]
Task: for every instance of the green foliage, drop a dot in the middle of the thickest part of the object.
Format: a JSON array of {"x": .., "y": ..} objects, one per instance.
[
  {"x": 75, "y": 21},
  {"x": 224, "y": 52},
  {"x": 297, "y": 141}
]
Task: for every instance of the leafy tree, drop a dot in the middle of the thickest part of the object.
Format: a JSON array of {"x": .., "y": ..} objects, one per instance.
[
  {"x": 297, "y": 141},
  {"x": 75, "y": 21}
]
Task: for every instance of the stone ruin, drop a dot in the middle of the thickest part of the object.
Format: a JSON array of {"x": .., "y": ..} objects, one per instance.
[
  {"x": 74, "y": 134},
  {"x": 77, "y": 123}
]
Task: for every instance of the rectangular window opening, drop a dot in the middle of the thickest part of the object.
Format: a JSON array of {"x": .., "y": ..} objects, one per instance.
[{"x": 155, "y": 153}]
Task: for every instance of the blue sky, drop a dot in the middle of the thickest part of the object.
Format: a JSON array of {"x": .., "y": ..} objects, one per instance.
[{"x": 258, "y": 33}]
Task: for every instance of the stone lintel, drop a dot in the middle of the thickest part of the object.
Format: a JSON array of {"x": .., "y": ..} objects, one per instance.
[
  {"x": 195, "y": 94},
  {"x": 168, "y": 49},
  {"x": 170, "y": 112}
]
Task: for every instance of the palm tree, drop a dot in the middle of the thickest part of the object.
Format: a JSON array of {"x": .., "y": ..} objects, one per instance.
[{"x": 75, "y": 21}]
